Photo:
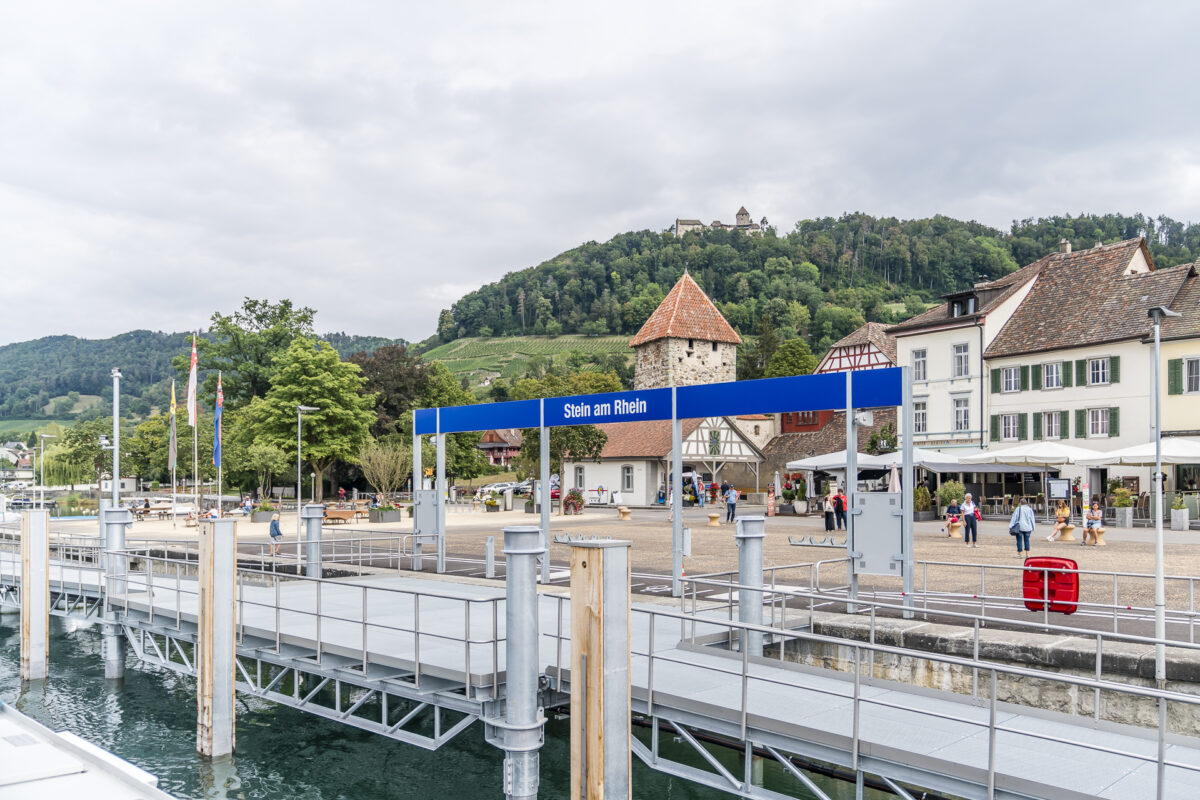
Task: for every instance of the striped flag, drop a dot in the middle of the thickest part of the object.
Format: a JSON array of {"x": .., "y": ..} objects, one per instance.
[
  {"x": 173, "y": 453},
  {"x": 191, "y": 390},
  {"x": 217, "y": 424}
]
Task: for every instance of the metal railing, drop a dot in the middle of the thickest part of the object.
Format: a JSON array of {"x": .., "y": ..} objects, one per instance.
[{"x": 313, "y": 613}]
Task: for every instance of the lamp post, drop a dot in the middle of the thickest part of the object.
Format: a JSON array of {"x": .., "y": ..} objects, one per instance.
[
  {"x": 1160, "y": 596},
  {"x": 116, "y": 438},
  {"x": 42, "y": 467},
  {"x": 300, "y": 409},
  {"x": 312, "y": 486}
]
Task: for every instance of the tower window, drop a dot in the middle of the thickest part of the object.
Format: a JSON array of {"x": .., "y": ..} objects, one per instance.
[
  {"x": 714, "y": 347},
  {"x": 691, "y": 346}
]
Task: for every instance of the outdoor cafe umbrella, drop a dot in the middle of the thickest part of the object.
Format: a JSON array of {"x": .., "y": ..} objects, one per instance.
[
  {"x": 894, "y": 480},
  {"x": 828, "y": 462},
  {"x": 1174, "y": 451},
  {"x": 1035, "y": 456}
]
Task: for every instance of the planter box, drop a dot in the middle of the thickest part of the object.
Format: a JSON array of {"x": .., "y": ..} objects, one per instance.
[
  {"x": 530, "y": 508},
  {"x": 492, "y": 509},
  {"x": 385, "y": 515},
  {"x": 688, "y": 504},
  {"x": 924, "y": 516},
  {"x": 1124, "y": 517},
  {"x": 261, "y": 516},
  {"x": 786, "y": 509},
  {"x": 1179, "y": 519}
]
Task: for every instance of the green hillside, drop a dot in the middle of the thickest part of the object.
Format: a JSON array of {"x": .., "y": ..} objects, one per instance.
[{"x": 511, "y": 357}]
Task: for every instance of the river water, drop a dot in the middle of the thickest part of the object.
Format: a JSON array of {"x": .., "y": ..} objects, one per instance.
[{"x": 149, "y": 719}]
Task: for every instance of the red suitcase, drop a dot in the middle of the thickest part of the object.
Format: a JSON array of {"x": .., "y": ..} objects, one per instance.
[{"x": 1063, "y": 587}]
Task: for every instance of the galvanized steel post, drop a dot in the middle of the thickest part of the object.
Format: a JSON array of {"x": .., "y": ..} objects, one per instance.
[
  {"x": 676, "y": 499},
  {"x": 906, "y": 487},
  {"x": 313, "y": 515},
  {"x": 215, "y": 653},
  {"x": 600, "y": 700},
  {"x": 440, "y": 497},
  {"x": 750, "y": 534},
  {"x": 35, "y": 594},
  {"x": 544, "y": 488},
  {"x": 848, "y": 490},
  {"x": 521, "y": 731},
  {"x": 115, "y": 567}
]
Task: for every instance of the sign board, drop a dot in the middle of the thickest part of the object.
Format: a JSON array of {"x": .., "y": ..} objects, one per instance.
[
  {"x": 424, "y": 512},
  {"x": 877, "y": 533},
  {"x": 1060, "y": 488}
]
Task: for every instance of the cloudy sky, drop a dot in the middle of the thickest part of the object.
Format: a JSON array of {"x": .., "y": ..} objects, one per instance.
[{"x": 159, "y": 161}]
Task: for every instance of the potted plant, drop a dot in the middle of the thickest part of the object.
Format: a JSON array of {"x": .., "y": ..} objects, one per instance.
[
  {"x": 263, "y": 513},
  {"x": 385, "y": 512},
  {"x": 922, "y": 504},
  {"x": 1179, "y": 514},
  {"x": 491, "y": 503},
  {"x": 787, "y": 506},
  {"x": 950, "y": 491},
  {"x": 573, "y": 502},
  {"x": 1123, "y": 507}
]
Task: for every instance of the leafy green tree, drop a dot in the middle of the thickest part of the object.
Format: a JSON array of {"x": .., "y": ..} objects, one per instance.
[
  {"x": 792, "y": 358},
  {"x": 266, "y": 460},
  {"x": 583, "y": 442},
  {"x": 243, "y": 346},
  {"x": 397, "y": 378},
  {"x": 310, "y": 373}
]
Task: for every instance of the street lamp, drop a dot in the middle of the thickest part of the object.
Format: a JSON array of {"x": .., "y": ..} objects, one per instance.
[
  {"x": 312, "y": 486},
  {"x": 299, "y": 474},
  {"x": 1160, "y": 596},
  {"x": 42, "y": 466}
]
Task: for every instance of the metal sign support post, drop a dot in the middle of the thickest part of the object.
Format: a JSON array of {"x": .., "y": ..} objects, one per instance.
[
  {"x": 749, "y": 537},
  {"x": 906, "y": 488},
  {"x": 216, "y": 624},
  {"x": 440, "y": 495},
  {"x": 115, "y": 568},
  {"x": 851, "y": 485},
  {"x": 417, "y": 483},
  {"x": 544, "y": 489},
  {"x": 676, "y": 499}
]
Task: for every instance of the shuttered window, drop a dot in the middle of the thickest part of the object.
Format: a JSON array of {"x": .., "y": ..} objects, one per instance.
[
  {"x": 996, "y": 381},
  {"x": 1175, "y": 376},
  {"x": 1064, "y": 422},
  {"x": 1012, "y": 379},
  {"x": 1022, "y": 427},
  {"x": 1081, "y": 423},
  {"x": 1035, "y": 377},
  {"x": 1066, "y": 374},
  {"x": 1114, "y": 422},
  {"x": 1037, "y": 426},
  {"x": 994, "y": 432},
  {"x": 1114, "y": 369},
  {"x": 1025, "y": 378},
  {"x": 1052, "y": 422},
  {"x": 1081, "y": 372},
  {"x": 1099, "y": 370},
  {"x": 1191, "y": 375},
  {"x": 1009, "y": 430}
]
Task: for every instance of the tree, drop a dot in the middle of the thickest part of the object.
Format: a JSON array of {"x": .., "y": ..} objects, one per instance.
[
  {"x": 81, "y": 446},
  {"x": 244, "y": 346},
  {"x": 882, "y": 441},
  {"x": 582, "y": 442},
  {"x": 385, "y": 464},
  {"x": 310, "y": 373},
  {"x": 396, "y": 378},
  {"x": 267, "y": 461},
  {"x": 792, "y": 358}
]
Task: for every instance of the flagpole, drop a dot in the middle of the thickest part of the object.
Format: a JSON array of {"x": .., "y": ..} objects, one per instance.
[
  {"x": 172, "y": 497},
  {"x": 217, "y": 446}
]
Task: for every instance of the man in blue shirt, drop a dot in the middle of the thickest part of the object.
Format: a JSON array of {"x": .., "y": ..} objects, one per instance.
[{"x": 1021, "y": 526}]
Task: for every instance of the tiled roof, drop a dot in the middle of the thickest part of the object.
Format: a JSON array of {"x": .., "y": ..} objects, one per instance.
[
  {"x": 1084, "y": 298},
  {"x": 650, "y": 439},
  {"x": 994, "y": 293},
  {"x": 688, "y": 222},
  {"x": 874, "y": 333},
  {"x": 686, "y": 313},
  {"x": 831, "y": 438},
  {"x": 1187, "y": 303}
]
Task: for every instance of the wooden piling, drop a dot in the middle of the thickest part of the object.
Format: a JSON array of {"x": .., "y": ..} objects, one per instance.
[{"x": 35, "y": 594}]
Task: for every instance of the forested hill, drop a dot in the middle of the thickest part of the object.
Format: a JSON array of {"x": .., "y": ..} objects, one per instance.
[
  {"x": 828, "y": 273},
  {"x": 34, "y": 373}
]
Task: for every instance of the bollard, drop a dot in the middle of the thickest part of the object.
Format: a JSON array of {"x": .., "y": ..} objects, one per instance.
[
  {"x": 750, "y": 534},
  {"x": 215, "y": 652},
  {"x": 116, "y": 520},
  {"x": 600, "y": 702},
  {"x": 489, "y": 564},
  {"x": 520, "y": 732},
  {"x": 35, "y": 594},
  {"x": 313, "y": 514}
]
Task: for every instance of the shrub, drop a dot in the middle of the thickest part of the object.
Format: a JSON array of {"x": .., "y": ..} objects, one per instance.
[
  {"x": 493, "y": 499},
  {"x": 789, "y": 495},
  {"x": 1121, "y": 498},
  {"x": 951, "y": 490},
  {"x": 1177, "y": 504},
  {"x": 155, "y": 486},
  {"x": 921, "y": 501},
  {"x": 573, "y": 500}
]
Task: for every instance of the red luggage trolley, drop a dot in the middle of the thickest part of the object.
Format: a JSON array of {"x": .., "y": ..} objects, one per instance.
[{"x": 1039, "y": 580}]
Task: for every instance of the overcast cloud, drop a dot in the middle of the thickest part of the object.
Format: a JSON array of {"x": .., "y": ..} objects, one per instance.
[{"x": 159, "y": 161}]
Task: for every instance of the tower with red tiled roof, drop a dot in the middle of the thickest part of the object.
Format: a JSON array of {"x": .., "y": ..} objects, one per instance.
[{"x": 685, "y": 341}]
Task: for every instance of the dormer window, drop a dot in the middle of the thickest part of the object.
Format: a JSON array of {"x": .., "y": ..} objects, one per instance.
[{"x": 956, "y": 309}]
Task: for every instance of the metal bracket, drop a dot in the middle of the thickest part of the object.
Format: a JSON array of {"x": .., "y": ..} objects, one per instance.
[
  {"x": 566, "y": 538},
  {"x": 811, "y": 541}
]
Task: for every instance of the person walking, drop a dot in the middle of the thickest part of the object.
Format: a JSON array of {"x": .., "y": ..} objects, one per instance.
[
  {"x": 700, "y": 492},
  {"x": 276, "y": 534},
  {"x": 970, "y": 517},
  {"x": 839, "y": 509},
  {"x": 731, "y": 498},
  {"x": 828, "y": 506},
  {"x": 1021, "y": 526}
]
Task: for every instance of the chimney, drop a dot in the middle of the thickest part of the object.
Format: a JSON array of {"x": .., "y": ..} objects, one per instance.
[{"x": 1064, "y": 246}]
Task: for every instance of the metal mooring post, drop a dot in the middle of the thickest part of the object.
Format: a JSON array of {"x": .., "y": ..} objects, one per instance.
[
  {"x": 35, "y": 594},
  {"x": 116, "y": 566},
  {"x": 215, "y": 646},
  {"x": 313, "y": 515},
  {"x": 600, "y": 703},
  {"x": 489, "y": 551},
  {"x": 520, "y": 733},
  {"x": 750, "y": 534}
]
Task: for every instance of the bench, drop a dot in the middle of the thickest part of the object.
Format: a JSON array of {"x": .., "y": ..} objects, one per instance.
[
  {"x": 1095, "y": 536},
  {"x": 954, "y": 530},
  {"x": 1067, "y": 534},
  {"x": 340, "y": 514},
  {"x": 714, "y": 519},
  {"x": 624, "y": 514}
]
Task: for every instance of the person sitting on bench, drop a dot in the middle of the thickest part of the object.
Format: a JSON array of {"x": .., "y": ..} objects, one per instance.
[
  {"x": 1094, "y": 519},
  {"x": 1062, "y": 517}
]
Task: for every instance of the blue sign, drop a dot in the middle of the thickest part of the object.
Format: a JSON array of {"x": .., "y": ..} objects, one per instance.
[
  {"x": 594, "y": 409},
  {"x": 874, "y": 388}
]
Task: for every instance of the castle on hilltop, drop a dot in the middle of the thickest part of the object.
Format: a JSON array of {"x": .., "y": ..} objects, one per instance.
[{"x": 743, "y": 223}]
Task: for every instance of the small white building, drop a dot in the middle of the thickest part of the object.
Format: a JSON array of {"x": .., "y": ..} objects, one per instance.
[{"x": 636, "y": 459}]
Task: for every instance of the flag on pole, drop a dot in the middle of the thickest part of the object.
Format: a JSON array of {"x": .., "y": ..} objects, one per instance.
[
  {"x": 191, "y": 390},
  {"x": 173, "y": 453},
  {"x": 217, "y": 424}
]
